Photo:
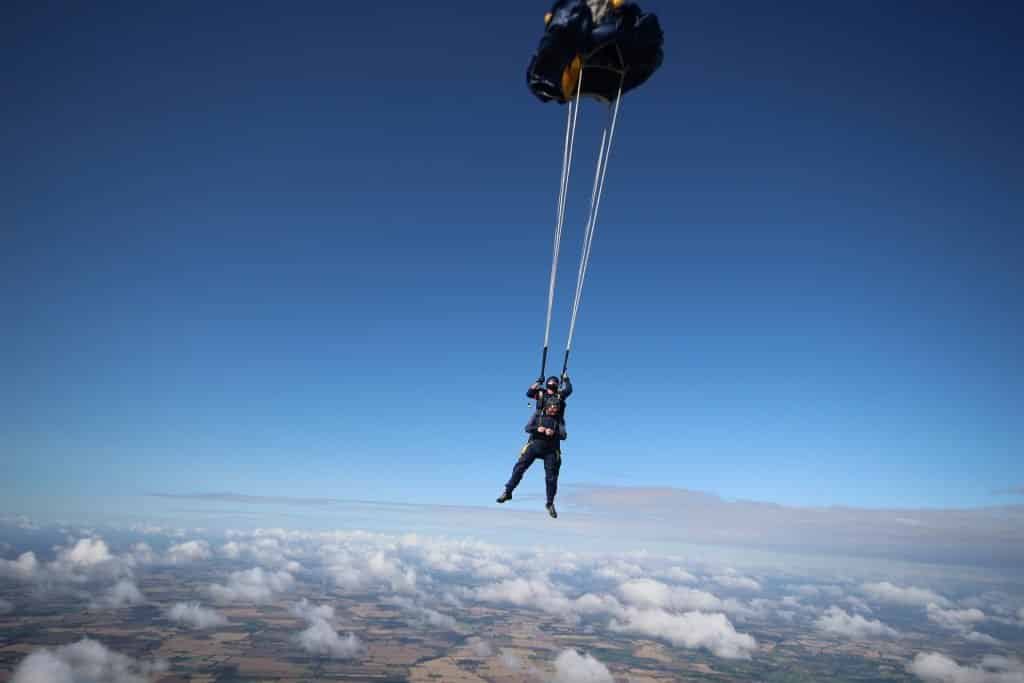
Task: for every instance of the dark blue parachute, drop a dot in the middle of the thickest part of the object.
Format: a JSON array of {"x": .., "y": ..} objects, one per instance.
[{"x": 611, "y": 43}]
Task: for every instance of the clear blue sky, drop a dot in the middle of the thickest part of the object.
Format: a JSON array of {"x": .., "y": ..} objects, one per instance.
[{"x": 303, "y": 250}]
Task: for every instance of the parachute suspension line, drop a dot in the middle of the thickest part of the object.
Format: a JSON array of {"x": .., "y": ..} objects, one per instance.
[
  {"x": 595, "y": 206},
  {"x": 570, "y": 140},
  {"x": 559, "y": 213},
  {"x": 588, "y": 234}
]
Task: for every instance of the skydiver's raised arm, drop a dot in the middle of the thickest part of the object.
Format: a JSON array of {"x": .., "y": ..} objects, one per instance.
[
  {"x": 535, "y": 390},
  {"x": 566, "y": 390}
]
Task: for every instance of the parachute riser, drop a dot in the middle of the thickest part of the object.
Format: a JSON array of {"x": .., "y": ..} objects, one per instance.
[
  {"x": 595, "y": 206},
  {"x": 570, "y": 138}
]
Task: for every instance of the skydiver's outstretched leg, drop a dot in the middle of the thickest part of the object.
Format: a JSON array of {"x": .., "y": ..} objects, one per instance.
[
  {"x": 552, "y": 466},
  {"x": 526, "y": 458}
]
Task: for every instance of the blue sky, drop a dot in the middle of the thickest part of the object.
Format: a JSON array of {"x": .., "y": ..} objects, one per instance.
[{"x": 304, "y": 251}]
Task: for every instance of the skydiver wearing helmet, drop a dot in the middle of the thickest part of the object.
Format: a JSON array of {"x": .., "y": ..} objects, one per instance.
[
  {"x": 552, "y": 389},
  {"x": 547, "y": 430}
]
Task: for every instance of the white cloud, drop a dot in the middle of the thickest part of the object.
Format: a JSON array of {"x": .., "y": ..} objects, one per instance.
[
  {"x": 679, "y": 575},
  {"x": 617, "y": 570},
  {"x": 87, "y": 552},
  {"x": 955, "y": 619},
  {"x": 912, "y": 596},
  {"x": 538, "y": 593},
  {"x": 267, "y": 551},
  {"x": 485, "y": 568},
  {"x": 253, "y": 586},
  {"x": 365, "y": 565},
  {"x": 933, "y": 667},
  {"x": 760, "y": 608},
  {"x": 124, "y": 594},
  {"x": 815, "y": 591},
  {"x": 86, "y": 660},
  {"x": 982, "y": 638},
  {"x": 993, "y": 602},
  {"x": 143, "y": 554},
  {"x": 231, "y": 550},
  {"x": 193, "y": 615},
  {"x": 514, "y": 663},
  {"x": 837, "y": 621},
  {"x": 647, "y": 593},
  {"x": 857, "y": 604},
  {"x": 23, "y": 568},
  {"x": 383, "y": 568},
  {"x": 425, "y": 614},
  {"x": 87, "y": 560},
  {"x": 347, "y": 577},
  {"x": 590, "y": 603},
  {"x": 742, "y": 612},
  {"x": 480, "y": 647},
  {"x": 693, "y": 630},
  {"x": 476, "y": 559},
  {"x": 190, "y": 551},
  {"x": 304, "y": 609},
  {"x": 743, "y": 583},
  {"x": 651, "y": 593},
  {"x": 321, "y": 639},
  {"x": 572, "y": 667},
  {"x": 793, "y": 602}
]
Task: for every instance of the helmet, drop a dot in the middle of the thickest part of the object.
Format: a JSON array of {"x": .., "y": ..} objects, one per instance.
[{"x": 552, "y": 382}]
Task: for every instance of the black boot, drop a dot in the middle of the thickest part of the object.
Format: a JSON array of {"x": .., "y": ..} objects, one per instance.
[
  {"x": 505, "y": 497},
  {"x": 551, "y": 510}
]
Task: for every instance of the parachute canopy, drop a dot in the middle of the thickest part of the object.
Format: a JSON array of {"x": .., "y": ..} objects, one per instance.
[{"x": 610, "y": 43}]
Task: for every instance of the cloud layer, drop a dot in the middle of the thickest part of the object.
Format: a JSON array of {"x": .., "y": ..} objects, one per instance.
[
  {"x": 83, "y": 662},
  {"x": 992, "y": 536},
  {"x": 434, "y": 583},
  {"x": 933, "y": 667}
]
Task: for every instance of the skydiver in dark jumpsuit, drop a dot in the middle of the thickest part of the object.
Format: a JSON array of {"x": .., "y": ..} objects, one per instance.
[
  {"x": 550, "y": 390},
  {"x": 547, "y": 430}
]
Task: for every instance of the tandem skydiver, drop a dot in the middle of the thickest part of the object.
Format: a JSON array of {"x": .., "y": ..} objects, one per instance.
[
  {"x": 619, "y": 47},
  {"x": 547, "y": 430},
  {"x": 550, "y": 390}
]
